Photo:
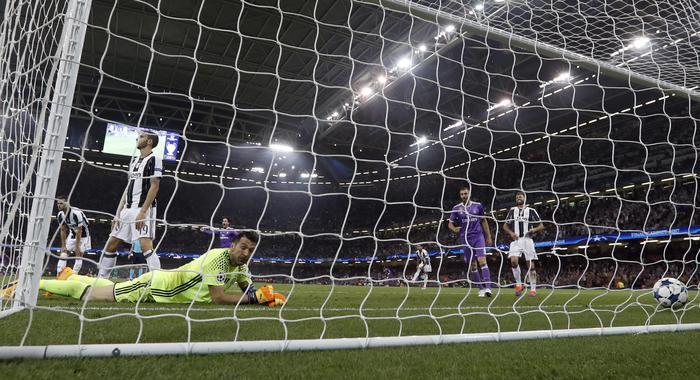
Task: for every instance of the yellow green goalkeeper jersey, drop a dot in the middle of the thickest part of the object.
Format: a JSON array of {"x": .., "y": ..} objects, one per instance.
[{"x": 191, "y": 281}]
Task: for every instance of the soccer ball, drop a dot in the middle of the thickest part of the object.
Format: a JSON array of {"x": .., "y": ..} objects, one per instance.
[{"x": 670, "y": 292}]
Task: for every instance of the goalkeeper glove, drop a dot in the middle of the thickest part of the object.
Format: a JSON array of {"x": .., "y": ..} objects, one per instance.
[
  {"x": 262, "y": 295},
  {"x": 266, "y": 296},
  {"x": 278, "y": 300}
]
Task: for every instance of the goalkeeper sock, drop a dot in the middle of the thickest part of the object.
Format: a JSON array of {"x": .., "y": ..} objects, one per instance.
[
  {"x": 78, "y": 264},
  {"x": 533, "y": 280},
  {"x": 517, "y": 275},
  {"x": 152, "y": 260},
  {"x": 71, "y": 289},
  {"x": 87, "y": 280},
  {"x": 486, "y": 275},
  {"x": 107, "y": 262},
  {"x": 475, "y": 279}
]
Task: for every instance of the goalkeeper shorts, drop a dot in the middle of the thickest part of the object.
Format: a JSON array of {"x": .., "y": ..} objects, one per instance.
[{"x": 136, "y": 290}]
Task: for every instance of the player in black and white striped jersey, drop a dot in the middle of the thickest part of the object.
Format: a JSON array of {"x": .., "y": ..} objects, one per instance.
[
  {"x": 521, "y": 223},
  {"x": 136, "y": 215},
  {"x": 424, "y": 268},
  {"x": 74, "y": 231}
]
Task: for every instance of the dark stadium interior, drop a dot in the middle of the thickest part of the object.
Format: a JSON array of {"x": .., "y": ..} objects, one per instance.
[{"x": 595, "y": 154}]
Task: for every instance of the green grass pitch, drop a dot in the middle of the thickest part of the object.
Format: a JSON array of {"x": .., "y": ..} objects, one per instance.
[{"x": 316, "y": 311}]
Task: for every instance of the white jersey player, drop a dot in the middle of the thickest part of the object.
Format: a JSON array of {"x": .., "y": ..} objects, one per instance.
[
  {"x": 521, "y": 223},
  {"x": 75, "y": 233},
  {"x": 136, "y": 215},
  {"x": 423, "y": 270}
]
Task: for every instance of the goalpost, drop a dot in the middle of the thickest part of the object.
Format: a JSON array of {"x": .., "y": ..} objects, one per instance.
[
  {"x": 39, "y": 71},
  {"x": 590, "y": 110}
]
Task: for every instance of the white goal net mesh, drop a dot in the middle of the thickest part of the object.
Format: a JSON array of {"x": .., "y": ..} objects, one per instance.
[
  {"x": 29, "y": 51},
  {"x": 343, "y": 133}
]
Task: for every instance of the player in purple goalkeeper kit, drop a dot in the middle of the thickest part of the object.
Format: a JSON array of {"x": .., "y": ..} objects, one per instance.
[
  {"x": 467, "y": 219},
  {"x": 226, "y": 233}
]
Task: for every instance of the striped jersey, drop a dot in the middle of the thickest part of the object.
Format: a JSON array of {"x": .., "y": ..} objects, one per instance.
[
  {"x": 522, "y": 220},
  {"x": 422, "y": 256},
  {"x": 74, "y": 220},
  {"x": 141, "y": 171},
  {"x": 190, "y": 282}
]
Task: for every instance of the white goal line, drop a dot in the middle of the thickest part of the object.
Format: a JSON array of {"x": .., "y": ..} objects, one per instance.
[{"x": 255, "y": 308}]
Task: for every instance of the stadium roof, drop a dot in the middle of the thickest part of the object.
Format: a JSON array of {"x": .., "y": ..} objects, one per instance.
[{"x": 394, "y": 94}]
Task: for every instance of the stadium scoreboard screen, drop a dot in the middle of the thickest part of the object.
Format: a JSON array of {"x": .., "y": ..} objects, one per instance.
[{"x": 121, "y": 139}]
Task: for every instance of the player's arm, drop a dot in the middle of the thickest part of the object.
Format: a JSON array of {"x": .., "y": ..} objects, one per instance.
[
  {"x": 487, "y": 231},
  {"x": 453, "y": 227},
  {"x": 507, "y": 229},
  {"x": 220, "y": 297},
  {"x": 64, "y": 234},
  {"x": 506, "y": 226},
  {"x": 155, "y": 171},
  {"x": 535, "y": 230},
  {"x": 535, "y": 218},
  {"x": 78, "y": 231},
  {"x": 208, "y": 230},
  {"x": 454, "y": 217},
  {"x": 264, "y": 296},
  {"x": 122, "y": 201},
  {"x": 452, "y": 224},
  {"x": 150, "y": 197}
]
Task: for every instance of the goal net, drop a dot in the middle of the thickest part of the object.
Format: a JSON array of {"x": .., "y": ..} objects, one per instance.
[{"x": 377, "y": 147}]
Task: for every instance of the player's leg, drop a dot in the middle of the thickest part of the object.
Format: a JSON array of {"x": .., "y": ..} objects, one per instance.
[
  {"x": 69, "y": 275},
  {"x": 415, "y": 275},
  {"x": 146, "y": 235},
  {"x": 485, "y": 273},
  {"x": 425, "y": 280},
  {"x": 474, "y": 277},
  {"x": 121, "y": 233},
  {"x": 61, "y": 262},
  {"x": 530, "y": 258},
  {"x": 109, "y": 256},
  {"x": 478, "y": 246},
  {"x": 151, "y": 257},
  {"x": 78, "y": 290},
  {"x": 136, "y": 290},
  {"x": 426, "y": 270},
  {"x": 515, "y": 268},
  {"x": 517, "y": 274},
  {"x": 514, "y": 257},
  {"x": 95, "y": 289},
  {"x": 84, "y": 246},
  {"x": 418, "y": 272},
  {"x": 533, "y": 277},
  {"x": 100, "y": 293}
]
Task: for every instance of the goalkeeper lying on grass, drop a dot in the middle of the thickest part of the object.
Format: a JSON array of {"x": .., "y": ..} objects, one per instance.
[{"x": 202, "y": 280}]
